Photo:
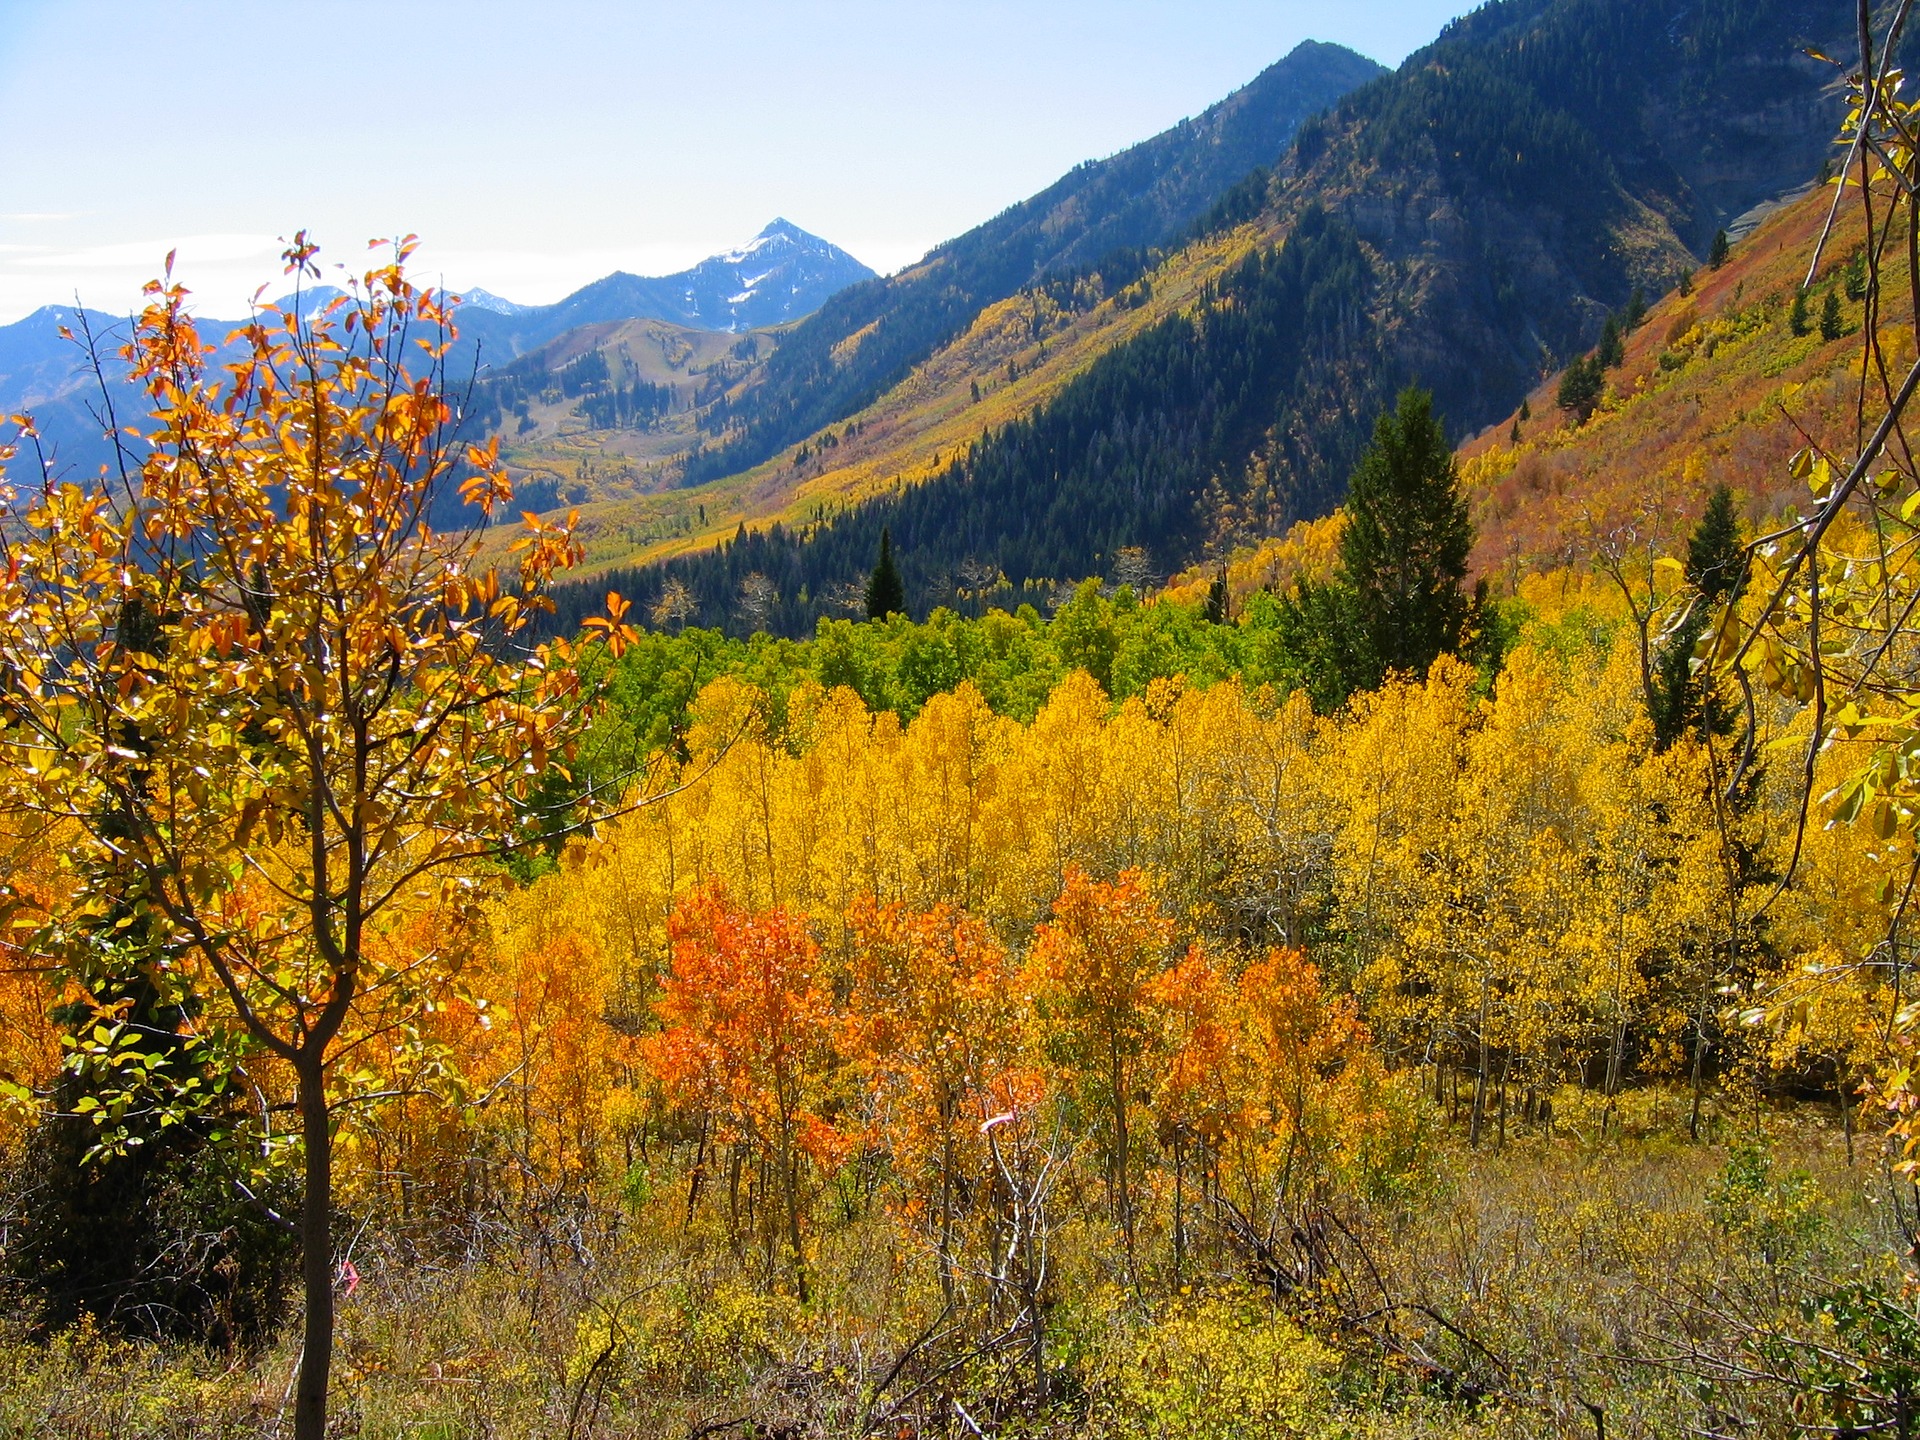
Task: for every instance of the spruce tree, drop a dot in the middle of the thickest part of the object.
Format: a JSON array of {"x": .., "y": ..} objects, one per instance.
[
  {"x": 1832, "y": 327},
  {"x": 1717, "y": 255},
  {"x": 886, "y": 594},
  {"x": 1581, "y": 386},
  {"x": 1678, "y": 700},
  {"x": 1797, "y": 316},
  {"x": 1636, "y": 308},
  {"x": 1612, "y": 351},
  {"x": 1403, "y": 552},
  {"x": 1217, "y": 599}
]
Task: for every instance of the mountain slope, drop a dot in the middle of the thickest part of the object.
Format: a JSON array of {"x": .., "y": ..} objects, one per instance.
[
  {"x": 1506, "y": 188},
  {"x": 782, "y": 274},
  {"x": 868, "y": 338},
  {"x": 1714, "y": 388}
]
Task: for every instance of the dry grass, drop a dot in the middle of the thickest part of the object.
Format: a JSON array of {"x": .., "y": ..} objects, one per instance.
[{"x": 1510, "y": 1294}]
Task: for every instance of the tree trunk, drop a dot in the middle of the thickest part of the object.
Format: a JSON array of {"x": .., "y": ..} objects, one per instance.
[
  {"x": 1179, "y": 1208},
  {"x": 1480, "y": 1079},
  {"x": 316, "y": 1256},
  {"x": 790, "y": 1180},
  {"x": 1699, "y": 1067},
  {"x": 946, "y": 1211},
  {"x": 1122, "y": 1161}
]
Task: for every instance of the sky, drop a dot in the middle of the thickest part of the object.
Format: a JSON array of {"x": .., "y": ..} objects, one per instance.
[{"x": 536, "y": 146}]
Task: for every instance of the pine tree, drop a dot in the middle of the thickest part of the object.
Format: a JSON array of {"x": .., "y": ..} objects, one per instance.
[
  {"x": 1832, "y": 327},
  {"x": 1854, "y": 276},
  {"x": 1717, "y": 255},
  {"x": 1526, "y": 410},
  {"x": 1217, "y": 600},
  {"x": 1580, "y": 388},
  {"x": 1636, "y": 308},
  {"x": 1797, "y": 316},
  {"x": 886, "y": 594},
  {"x": 1403, "y": 553},
  {"x": 1678, "y": 700},
  {"x": 1612, "y": 351}
]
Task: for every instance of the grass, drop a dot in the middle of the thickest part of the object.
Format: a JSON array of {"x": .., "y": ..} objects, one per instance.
[{"x": 1507, "y": 1294}]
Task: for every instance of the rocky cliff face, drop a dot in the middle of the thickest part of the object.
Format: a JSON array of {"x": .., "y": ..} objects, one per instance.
[{"x": 1522, "y": 176}]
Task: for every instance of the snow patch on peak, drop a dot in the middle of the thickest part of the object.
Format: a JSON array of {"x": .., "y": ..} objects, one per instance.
[{"x": 486, "y": 300}]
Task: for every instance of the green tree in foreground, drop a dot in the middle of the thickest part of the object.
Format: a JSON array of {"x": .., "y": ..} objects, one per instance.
[
  {"x": 1681, "y": 698},
  {"x": 1396, "y": 602},
  {"x": 886, "y": 593},
  {"x": 1717, "y": 253}
]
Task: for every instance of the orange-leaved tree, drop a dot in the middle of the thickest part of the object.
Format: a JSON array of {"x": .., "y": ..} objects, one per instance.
[
  {"x": 935, "y": 1025},
  {"x": 1095, "y": 964},
  {"x": 745, "y": 1037},
  {"x": 279, "y": 709},
  {"x": 1200, "y": 1095}
]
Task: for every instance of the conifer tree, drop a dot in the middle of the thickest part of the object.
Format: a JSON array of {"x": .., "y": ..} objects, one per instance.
[
  {"x": 1797, "y": 316},
  {"x": 1217, "y": 600},
  {"x": 1580, "y": 387},
  {"x": 1404, "y": 549},
  {"x": 886, "y": 594},
  {"x": 1717, "y": 256},
  {"x": 1636, "y": 309},
  {"x": 1396, "y": 603},
  {"x": 1831, "y": 324},
  {"x": 1612, "y": 351},
  {"x": 1678, "y": 700}
]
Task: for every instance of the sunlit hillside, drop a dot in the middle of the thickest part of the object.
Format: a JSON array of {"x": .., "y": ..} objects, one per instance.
[
  {"x": 1011, "y": 360},
  {"x": 1715, "y": 388}
]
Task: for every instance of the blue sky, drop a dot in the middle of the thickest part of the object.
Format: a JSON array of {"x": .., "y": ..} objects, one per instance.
[{"x": 536, "y": 146}]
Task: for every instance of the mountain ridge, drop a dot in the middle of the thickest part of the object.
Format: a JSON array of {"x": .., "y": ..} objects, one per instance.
[{"x": 1508, "y": 187}]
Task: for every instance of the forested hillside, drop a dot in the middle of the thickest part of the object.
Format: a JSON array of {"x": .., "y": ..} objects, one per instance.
[
  {"x": 1719, "y": 385},
  {"x": 867, "y": 338},
  {"x": 1503, "y": 192}
]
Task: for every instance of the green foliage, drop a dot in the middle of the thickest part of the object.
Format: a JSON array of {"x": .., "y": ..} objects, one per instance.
[
  {"x": 1797, "y": 315},
  {"x": 1679, "y": 699},
  {"x": 886, "y": 595},
  {"x": 1581, "y": 385},
  {"x": 1717, "y": 254},
  {"x": 1860, "y": 1372},
  {"x": 1832, "y": 326},
  {"x": 1778, "y": 1216}
]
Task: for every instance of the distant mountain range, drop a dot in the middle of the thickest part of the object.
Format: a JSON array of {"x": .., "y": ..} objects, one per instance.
[{"x": 781, "y": 275}]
